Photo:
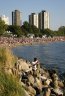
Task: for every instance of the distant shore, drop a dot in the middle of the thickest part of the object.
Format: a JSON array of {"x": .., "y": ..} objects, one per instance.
[{"x": 13, "y": 42}]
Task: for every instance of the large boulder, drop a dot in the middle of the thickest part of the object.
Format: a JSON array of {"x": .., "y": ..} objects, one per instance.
[
  {"x": 26, "y": 93},
  {"x": 31, "y": 91},
  {"x": 60, "y": 84},
  {"x": 58, "y": 91},
  {"x": 23, "y": 65},
  {"x": 38, "y": 84},
  {"x": 31, "y": 79}
]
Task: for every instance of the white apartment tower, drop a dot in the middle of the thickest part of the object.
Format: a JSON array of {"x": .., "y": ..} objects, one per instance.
[
  {"x": 43, "y": 20},
  {"x": 5, "y": 19},
  {"x": 16, "y": 18},
  {"x": 33, "y": 19},
  {"x": 40, "y": 20},
  {"x": 46, "y": 20}
]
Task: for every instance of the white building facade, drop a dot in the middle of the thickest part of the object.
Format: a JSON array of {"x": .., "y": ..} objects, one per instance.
[
  {"x": 40, "y": 20},
  {"x": 5, "y": 19},
  {"x": 16, "y": 17},
  {"x": 36, "y": 20},
  {"x": 33, "y": 19},
  {"x": 46, "y": 20}
]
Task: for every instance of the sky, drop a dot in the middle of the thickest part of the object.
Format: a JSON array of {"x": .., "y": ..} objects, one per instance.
[{"x": 56, "y": 9}]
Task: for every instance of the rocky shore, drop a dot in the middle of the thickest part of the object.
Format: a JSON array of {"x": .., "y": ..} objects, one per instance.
[
  {"x": 35, "y": 80},
  {"x": 38, "y": 82}
]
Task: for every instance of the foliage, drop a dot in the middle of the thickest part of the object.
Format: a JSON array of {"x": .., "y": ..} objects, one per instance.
[
  {"x": 15, "y": 30},
  {"x": 7, "y": 59},
  {"x": 61, "y": 31},
  {"x": 26, "y": 29},
  {"x": 48, "y": 32},
  {"x": 30, "y": 29},
  {"x": 37, "y": 32},
  {"x": 9, "y": 86},
  {"x": 2, "y": 27}
]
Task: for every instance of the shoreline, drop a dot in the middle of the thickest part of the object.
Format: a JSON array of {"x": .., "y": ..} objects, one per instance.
[
  {"x": 40, "y": 80},
  {"x": 13, "y": 42}
]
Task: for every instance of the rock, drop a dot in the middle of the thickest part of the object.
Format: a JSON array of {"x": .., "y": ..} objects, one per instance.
[
  {"x": 31, "y": 90},
  {"x": 42, "y": 77},
  {"x": 22, "y": 65},
  {"x": 55, "y": 80},
  {"x": 47, "y": 82},
  {"x": 41, "y": 71},
  {"x": 31, "y": 79},
  {"x": 55, "y": 76},
  {"x": 39, "y": 84},
  {"x": 34, "y": 82},
  {"x": 48, "y": 92},
  {"x": 58, "y": 91},
  {"x": 26, "y": 93},
  {"x": 60, "y": 84}
]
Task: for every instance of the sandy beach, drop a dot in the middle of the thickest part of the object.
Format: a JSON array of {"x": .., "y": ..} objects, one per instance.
[{"x": 13, "y": 42}]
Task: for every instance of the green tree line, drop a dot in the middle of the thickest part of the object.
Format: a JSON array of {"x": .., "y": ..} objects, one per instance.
[{"x": 26, "y": 29}]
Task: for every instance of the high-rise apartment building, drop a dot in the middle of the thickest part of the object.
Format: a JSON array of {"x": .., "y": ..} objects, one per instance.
[
  {"x": 16, "y": 20},
  {"x": 43, "y": 20},
  {"x": 40, "y": 20},
  {"x": 5, "y": 19},
  {"x": 33, "y": 19}
]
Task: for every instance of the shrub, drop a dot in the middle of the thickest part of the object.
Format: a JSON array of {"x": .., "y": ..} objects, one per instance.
[
  {"x": 9, "y": 86},
  {"x": 7, "y": 59}
]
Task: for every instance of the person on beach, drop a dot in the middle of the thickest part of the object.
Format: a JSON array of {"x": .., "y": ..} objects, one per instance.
[{"x": 35, "y": 65}]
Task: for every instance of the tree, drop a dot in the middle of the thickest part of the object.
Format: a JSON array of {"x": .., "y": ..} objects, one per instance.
[
  {"x": 27, "y": 27},
  {"x": 61, "y": 31},
  {"x": 15, "y": 30},
  {"x": 36, "y": 31},
  {"x": 48, "y": 32},
  {"x": 3, "y": 27}
]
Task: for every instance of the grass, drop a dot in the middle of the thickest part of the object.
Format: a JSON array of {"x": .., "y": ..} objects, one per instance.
[
  {"x": 7, "y": 59},
  {"x": 9, "y": 85}
]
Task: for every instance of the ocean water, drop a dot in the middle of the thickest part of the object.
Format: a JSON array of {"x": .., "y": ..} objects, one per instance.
[{"x": 51, "y": 55}]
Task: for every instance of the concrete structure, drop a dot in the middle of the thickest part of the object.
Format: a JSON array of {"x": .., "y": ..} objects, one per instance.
[
  {"x": 40, "y": 20},
  {"x": 16, "y": 20},
  {"x": 43, "y": 20},
  {"x": 5, "y": 19},
  {"x": 33, "y": 19}
]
